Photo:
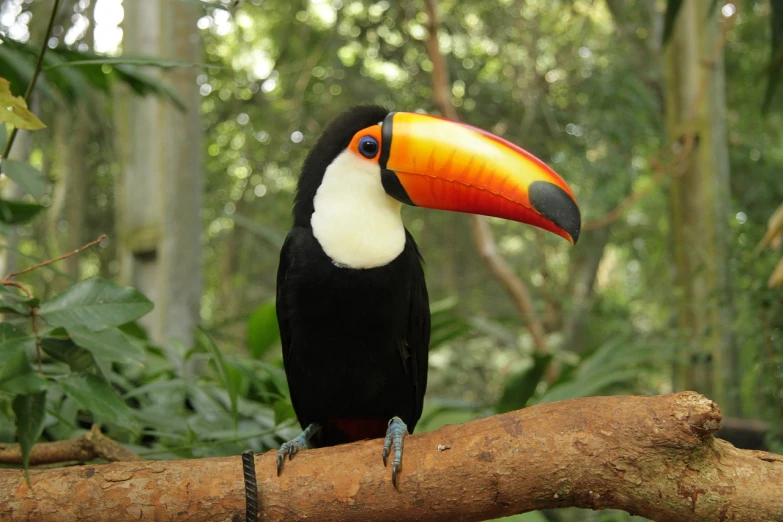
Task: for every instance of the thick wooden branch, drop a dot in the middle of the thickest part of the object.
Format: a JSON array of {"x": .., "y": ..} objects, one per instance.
[
  {"x": 652, "y": 456},
  {"x": 90, "y": 446}
]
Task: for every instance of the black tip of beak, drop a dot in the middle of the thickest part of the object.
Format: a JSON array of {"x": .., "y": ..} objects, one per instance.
[{"x": 555, "y": 204}]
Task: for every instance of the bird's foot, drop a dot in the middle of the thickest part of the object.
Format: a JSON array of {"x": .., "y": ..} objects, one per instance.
[
  {"x": 395, "y": 434},
  {"x": 292, "y": 447}
]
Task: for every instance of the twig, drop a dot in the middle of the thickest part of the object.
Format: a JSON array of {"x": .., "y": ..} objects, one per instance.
[
  {"x": 51, "y": 261},
  {"x": 482, "y": 233},
  {"x": 682, "y": 158},
  {"x": 90, "y": 446},
  {"x": 36, "y": 72}
]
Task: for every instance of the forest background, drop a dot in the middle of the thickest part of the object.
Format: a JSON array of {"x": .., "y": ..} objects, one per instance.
[{"x": 177, "y": 129}]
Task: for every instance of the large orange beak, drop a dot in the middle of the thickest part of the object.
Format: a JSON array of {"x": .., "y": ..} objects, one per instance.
[{"x": 436, "y": 163}]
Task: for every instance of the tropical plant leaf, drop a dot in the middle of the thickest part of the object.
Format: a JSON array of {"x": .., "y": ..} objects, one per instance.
[
  {"x": 12, "y": 341},
  {"x": 29, "y": 178},
  {"x": 227, "y": 377},
  {"x": 521, "y": 386},
  {"x": 96, "y": 396},
  {"x": 15, "y": 303},
  {"x": 262, "y": 329},
  {"x": 65, "y": 350},
  {"x": 13, "y": 110},
  {"x": 95, "y": 303},
  {"x": 18, "y": 212},
  {"x": 110, "y": 344},
  {"x": 30, "y": 411},
  {"x": 18, "y": 378}
]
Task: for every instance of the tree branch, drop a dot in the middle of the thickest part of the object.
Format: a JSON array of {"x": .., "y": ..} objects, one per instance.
[
  {"x": 90, "y": 446},
  {"x": 652, "y": 456},
  {"x": 482, "y": 233}
]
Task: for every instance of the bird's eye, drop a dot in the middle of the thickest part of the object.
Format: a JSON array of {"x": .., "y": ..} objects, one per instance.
[{"x": 368, "y": 147}]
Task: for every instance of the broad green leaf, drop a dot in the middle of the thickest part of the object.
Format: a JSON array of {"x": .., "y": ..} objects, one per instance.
[
  {"x": 15, "y": 303},
  {"x": 521, "y": 386},
  {"x": 18, "y": 378},
  {"x": 143, "y": 84},
  {"x": 64, "y": 350},
  {"x": 30, "y": 411},
  {"x": 3, "y": 136},
  {"x": 13, "y": 109},
  {"x": 29, "y": 178},
  {"x": 284, "y": 410},
  {"x": 226, "y": 377},
  {"x": 12, "y": 341},
  {"x": 110, "y": 344},
  {"x": 96, "y": 396},
  {"x": 262, "y": 329},
  {"x": 18, "y": 212},
  {"x": 96, "y": 304}
]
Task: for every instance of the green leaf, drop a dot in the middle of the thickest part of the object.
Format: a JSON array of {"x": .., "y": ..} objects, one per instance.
[
  {"x": 144, "y": 84},
  {"x": 18, "y": 378},
  {"x": 29, "y": 178},
  {"x": 15, "y": 303},
  {"x": 65, "y": 350},
  {"x": 96, "y": 304},
  {"x": 226, "y": 376},
  {"x": 13, "y": 109},
  {"x": 670, "y": 18},
  {"x": 262, "y": 329},
  {"x": 150, "y": 61},
  {"x": 284, "y": 410},
  {"x": 110, "y": 344},
  {"x": 18, "y": 212},
  {"x": 3, "y": 136},
  {"x": 522, "y": 385},
  {"x": 775, "y": 67},
  {"x": 96, "y": 396},
  {"x": 30, "y": 411},
  {"x": 13, "y": 341}
]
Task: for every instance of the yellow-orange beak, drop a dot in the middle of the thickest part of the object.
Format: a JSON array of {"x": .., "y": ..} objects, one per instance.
[{"x": 436, "y": 163}]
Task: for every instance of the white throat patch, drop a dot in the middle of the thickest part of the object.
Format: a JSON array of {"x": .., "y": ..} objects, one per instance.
[{"x": 356, "y": 223}]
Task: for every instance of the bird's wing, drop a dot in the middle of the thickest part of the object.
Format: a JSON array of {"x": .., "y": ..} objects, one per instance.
[
  {"x": 418, "y": 335},
  {"x": 282, "y": 306}
]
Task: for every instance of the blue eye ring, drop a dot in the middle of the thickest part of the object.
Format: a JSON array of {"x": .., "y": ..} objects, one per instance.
[{"x": 368, "y": 147}]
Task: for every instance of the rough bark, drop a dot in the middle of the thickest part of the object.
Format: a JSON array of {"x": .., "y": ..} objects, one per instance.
[{"x": 652, "y": 456}]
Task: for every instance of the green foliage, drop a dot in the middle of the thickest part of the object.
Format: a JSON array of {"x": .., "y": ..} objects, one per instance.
[
  {"x": 96, "y": 304},
  {"x": 29, "y": 178},
  {"x": 30, "y": 412},
  {"x": 262, "y": 330}
]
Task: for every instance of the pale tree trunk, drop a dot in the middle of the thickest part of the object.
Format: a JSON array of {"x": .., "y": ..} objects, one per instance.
[
  {"x": 159, "y": 197},
  {"x": 73, "y": 130},
  {"x": 700, "y": 204}
]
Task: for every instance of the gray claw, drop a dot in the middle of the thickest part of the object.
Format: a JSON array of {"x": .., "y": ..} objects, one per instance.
[
  {"x": 292, "y": 447},
  {"x": 394, "y": 437}
]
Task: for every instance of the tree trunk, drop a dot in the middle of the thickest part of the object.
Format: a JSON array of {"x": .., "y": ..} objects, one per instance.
[
  {"x": 159, "y": 197},
  {"x": 700, "y": 204},
  {"x": 652, "y": 456}
]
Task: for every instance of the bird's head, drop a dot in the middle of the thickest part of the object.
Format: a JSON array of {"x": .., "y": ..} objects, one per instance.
[{"x": 436, "y": 163}]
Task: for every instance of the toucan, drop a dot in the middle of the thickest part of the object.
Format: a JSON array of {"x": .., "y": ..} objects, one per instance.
[{"x": 352, "y": 302}]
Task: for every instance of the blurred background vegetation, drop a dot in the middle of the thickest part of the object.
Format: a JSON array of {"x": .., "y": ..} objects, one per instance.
[{"x": 178, "y": 128}]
